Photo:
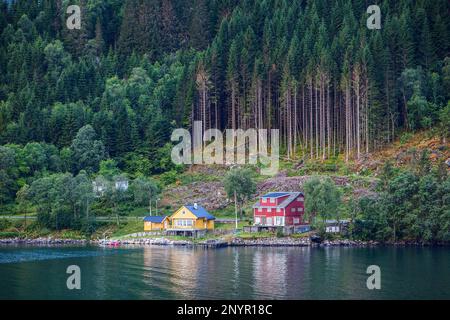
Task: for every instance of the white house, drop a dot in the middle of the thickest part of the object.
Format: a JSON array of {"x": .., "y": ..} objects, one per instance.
[
  {"x": 121, "y": 184},
  {"x": 99, "y": 187}
]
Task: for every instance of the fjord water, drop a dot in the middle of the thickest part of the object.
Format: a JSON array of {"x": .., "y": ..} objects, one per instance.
[{"x": 226, "y": 273}]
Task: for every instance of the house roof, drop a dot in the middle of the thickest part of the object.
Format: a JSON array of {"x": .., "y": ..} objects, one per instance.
[
  {"x": 284, "y": 203},
  {"x": 332, "y": 221},
  {"x": 200, "y": 212},
  {"x": 155, "y": 219},
  {"x": 275, "y": 194}
]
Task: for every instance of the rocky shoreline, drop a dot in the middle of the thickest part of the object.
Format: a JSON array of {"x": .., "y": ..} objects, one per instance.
[
  {"x": 300, "y": 242},
  {"x": 211, "y": 243},
  {"x": 44, "y": 241}
]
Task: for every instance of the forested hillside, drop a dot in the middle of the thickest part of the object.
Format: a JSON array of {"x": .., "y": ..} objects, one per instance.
[{"x": 138, "y": 69}]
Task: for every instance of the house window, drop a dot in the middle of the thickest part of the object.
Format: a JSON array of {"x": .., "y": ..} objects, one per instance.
[
  {"x": 296, "y": 220},
  {"x": 278, "y": 210},
  {"x": 269, "y": 221},
  {"x": 300, "y": 209},
  {"x": 272, "y": 200},
  {"x": 292, "y": 209},
  {"x": 279, "y": 221},
  {"x": 269, "y": 210},
  {"x": 257, "y": 220},
  {"x": 263, "y": 200},
  {"x": 122, "y": 185},
  {"x": 260, "y": 210},
  {"x": 300, "y": 199},
  {"x": 184, "y": 222}
]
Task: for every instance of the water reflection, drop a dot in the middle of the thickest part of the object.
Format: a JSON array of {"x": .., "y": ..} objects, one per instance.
[
  {"x": 227, "y": 273},
  {"x": 270, "y": 273}
]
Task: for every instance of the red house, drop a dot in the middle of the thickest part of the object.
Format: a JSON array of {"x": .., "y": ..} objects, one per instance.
[{"x": 279, "y": 209}]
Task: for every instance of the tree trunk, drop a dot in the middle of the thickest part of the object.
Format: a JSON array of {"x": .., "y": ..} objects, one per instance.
[
  {"x": 236, "y": 209},
  {"x": 87, "y": 209}
]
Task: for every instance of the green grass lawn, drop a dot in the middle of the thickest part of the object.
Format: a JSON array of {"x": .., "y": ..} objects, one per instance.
[
  {"x": 300, "y": 235},
  {"x": 230, "y": 226},
  {"x": 126, "y": 228},
  {"x": 258, "y": 235},
  {"x": 138, "y": 212}
]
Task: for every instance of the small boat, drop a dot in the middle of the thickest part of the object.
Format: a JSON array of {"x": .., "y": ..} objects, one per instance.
[
  {"x": 315, "y": 238},
  {"x": 114, "y": 243}
]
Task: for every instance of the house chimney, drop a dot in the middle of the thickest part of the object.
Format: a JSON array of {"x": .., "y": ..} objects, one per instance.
[{"x": 195, "y": 206}]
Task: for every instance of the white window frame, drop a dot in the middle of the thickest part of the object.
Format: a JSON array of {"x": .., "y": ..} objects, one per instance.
[
  {"x": 279, "y": 221},
  {"x": 296, "y": 221},
  {"x": 278, "y": 210},
  {"x": 257, "y": 220},
  {"x": 184, "y": 222}
]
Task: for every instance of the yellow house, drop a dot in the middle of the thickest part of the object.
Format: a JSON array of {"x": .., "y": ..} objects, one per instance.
[
  {"x": 156, "y": 223},
  {"x": 191, "y": 218}
]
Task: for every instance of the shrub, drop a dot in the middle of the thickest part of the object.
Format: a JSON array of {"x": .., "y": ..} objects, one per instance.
[
  {"x": 405, "y": 137},
  {"x": 44, "y": 219},
  {"x": 88, "y": 226},
  {"x": 280, "y": 232},
  {"x": 169, "y": 177},
  {"x": 5, "y": 235},
  {"x": 5, "y": 224}
]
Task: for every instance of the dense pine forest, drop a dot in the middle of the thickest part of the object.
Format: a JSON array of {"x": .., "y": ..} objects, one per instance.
[{"x": 107, "y": 97}]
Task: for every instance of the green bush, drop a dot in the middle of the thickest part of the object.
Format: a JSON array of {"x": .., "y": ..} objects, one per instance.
[
  {"x": 365, "y": 172},
  {"x": 405, "y": 137},
  {"x": 19, "y": 224},
  {"x": 5, "y": 235},
  {"x": 88, "y": 226},
  {"x": 280, "y": 232},
  {"x": 5, "y": 224},
  {"x": 169, "y": 177}
]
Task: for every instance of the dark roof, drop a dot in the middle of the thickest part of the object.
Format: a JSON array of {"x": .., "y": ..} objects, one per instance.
[
  {"x": 284, "y": 203},
  {"x": 200, "y": 212},
  {"x": 155, "y": 219},
  {"x": 275, "y": 194}
]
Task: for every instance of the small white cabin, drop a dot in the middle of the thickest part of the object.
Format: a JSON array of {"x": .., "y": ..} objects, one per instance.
[
  {"x": 99, "y": 188},
  {"x": 121, "y": 184}
]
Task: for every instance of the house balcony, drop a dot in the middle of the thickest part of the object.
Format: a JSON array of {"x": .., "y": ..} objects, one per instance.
[{"x": 183, "y": 229}]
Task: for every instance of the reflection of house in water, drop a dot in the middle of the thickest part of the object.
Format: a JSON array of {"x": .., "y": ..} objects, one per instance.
[
  {"x": 270, "y": 272},
  {"x": 183, "y": 264},
  {"x": 188, "y": 272},
  {"x": 155, "y": 272},
  {"x": 280, "y": 272}
]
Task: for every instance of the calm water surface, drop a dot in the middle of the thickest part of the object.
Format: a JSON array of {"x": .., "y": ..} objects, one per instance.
[{"x": 228, "y": 273}]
